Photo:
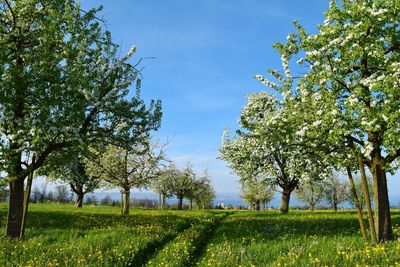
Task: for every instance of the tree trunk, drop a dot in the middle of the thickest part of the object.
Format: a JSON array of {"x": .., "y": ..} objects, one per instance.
[
  {"x": 382, "y": 207},
  {"x": 16, "y": 198},
  {"x": 125, "y": 204},
  {"x": 334, "y": 196},
  {"x": 15, "y": 208},
  {"x": 78, "y": 190},
  {"x": 122, "y": 202},
  {"x": 312, "y": 204},
  {"x": 191, "y": 204},
  {"x": 79, "y": 199},
  {"x": 312, "y": 207},
  {"x": 285, "y": 201},
  {"x": 26, "y": 204},
  {"x": 258, "y": 205},
  {"x": 180, "y": 203},
  {"x": 163, "y": 202},
  {"x": 357, "y": 203},
  {"x": 160, "y": 205},
  {"x": 367, "y": 197}
]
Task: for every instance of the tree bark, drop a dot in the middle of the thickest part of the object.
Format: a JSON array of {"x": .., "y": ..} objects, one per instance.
[
  {"x": 312, "y": 207},
  {"x": 312, "y": 204},
  {"x": 334, "y": 196},
  {"x": 367, "y": 196},
  {"x": 160, "y": 205},
  {"x": 258, "y": 205},
  {"x": 80, "y": 194},
  {"x": 163, "y": 202},
  {"x": 382, "y": 206},
  {"x": 180, "y": 203},
  {"x": 122, "y": 202},
  {"x": 26, "y": 203},
  {"x": 285, "y": 201},
  {"x": 16, "y": 198},
  {"x": 15, "y": 208},
  {"x": 125, "y": 204},
  {"x": 357, "y": 203},
  {"x": 79, "y": 199},
  {"x": 191, "y": 204}
]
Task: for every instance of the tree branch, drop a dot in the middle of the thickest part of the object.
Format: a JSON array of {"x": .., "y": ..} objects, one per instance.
[{"x": 391, "y": 158}]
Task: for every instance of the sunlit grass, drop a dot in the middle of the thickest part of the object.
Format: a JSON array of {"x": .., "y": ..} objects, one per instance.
[
  {"x": 301, "y": 238},
  {"x": 94, "y": 236},
  {"x": 61, "y": 235},
  {"x": 188, "y": 245}
]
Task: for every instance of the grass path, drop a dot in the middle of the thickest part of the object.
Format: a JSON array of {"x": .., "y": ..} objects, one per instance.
[
  {"x": 188, "y": 246},
  {"x": 202, "y": 244},
  {"x": 150, "y": 249}
]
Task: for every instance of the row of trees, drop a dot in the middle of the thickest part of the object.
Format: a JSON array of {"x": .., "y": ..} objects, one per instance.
[
  {"x": 340, "y": 113},
  {"x": 112, "y": 166},
  {"x": 184, "y": 184},
  {"x": 141, "y": 167},
  {"x": 333, "y": 192},
  {"x": 62, "y": 194},
  {"x": 257, "y": 192}
]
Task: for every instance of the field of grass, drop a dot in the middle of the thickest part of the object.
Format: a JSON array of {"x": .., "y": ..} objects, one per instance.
[
  {"x": 301, "y": 238},
  {"x": 60, "y": 235}
]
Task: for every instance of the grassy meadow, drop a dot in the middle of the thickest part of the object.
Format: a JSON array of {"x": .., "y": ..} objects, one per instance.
[{"x": 61, "y": 235}]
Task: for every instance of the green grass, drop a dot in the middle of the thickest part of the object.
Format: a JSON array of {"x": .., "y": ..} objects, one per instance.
[
  {"x": 187, "y": 246},
  {"x": 94, "y": 236},
  {"x": 61, "y": 235},
  {"x": 301, "y": 238}
]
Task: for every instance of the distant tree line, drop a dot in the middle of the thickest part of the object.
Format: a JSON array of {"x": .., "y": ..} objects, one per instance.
[{"x": 325, "y": 194}]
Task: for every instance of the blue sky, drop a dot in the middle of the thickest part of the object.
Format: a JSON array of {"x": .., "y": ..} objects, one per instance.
[{"x": 206, "y": 54}]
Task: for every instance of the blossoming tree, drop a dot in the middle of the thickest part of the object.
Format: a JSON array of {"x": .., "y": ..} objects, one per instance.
[
  {"x": 74, "y": 172},
  {"x": 62, "y": 85},
  {"x": 257, "y": 192},
  {"x": 267, "y": 145},
  {"x": 183, "y": 184},
  {"x": 353, "y": 71},
  {"x": 125, "y": 168}
]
